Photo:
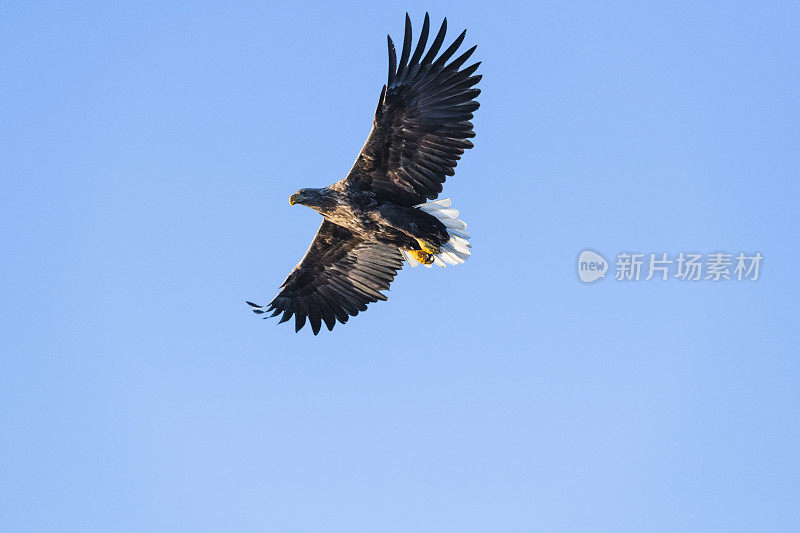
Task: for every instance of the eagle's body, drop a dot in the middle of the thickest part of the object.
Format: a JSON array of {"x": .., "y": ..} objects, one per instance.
[
  {"x": 379, "y": 213},
  {"x": 369, "y": 217}
]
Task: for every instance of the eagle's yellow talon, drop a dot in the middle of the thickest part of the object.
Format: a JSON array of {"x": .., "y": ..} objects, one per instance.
[
  {"x": 428, "y": 247},
  {"x": 421, "y": 256}
]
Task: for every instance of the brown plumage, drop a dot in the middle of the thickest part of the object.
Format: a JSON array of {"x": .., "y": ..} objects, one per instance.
[{"x": 420, "y": 131}]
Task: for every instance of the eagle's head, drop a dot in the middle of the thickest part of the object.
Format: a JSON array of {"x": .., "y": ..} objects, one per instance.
[{"x": 317, "y": 199}]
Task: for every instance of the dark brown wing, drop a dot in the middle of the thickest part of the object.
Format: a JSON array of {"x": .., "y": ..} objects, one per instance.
[
  {"x": 339, "y": 275},
  {"x": 422, "y": 122}
]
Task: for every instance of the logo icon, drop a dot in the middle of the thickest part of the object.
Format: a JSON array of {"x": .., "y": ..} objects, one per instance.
[{"x": 591, "y": 266}]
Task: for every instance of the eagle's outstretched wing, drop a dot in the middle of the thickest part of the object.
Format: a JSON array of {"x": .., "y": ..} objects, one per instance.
[
  {"x": 339, "y": 275},
  {"x": 422, "y": 123}
]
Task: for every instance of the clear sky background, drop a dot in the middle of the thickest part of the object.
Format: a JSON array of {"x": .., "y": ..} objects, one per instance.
[{"x": 147, "y": 153}]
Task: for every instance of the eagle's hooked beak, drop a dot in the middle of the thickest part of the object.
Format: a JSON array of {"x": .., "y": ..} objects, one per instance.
[{"x": 296, "y": 198}]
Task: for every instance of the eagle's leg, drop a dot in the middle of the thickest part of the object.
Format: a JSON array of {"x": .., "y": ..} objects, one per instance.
[
  {"x": 428, "y": 247},
  {"x": 421, "y": 256},
  {"x": 428, "y": 231}
]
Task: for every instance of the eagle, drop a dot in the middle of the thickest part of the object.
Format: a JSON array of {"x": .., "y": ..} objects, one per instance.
[{"x": 385, "y": 210}]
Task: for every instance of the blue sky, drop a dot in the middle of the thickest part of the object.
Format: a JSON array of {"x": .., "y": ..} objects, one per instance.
[{"x": 148, "y": 153}]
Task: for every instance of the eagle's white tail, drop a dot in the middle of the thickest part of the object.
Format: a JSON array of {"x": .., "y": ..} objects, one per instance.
[{"x": 454, "y": 251}]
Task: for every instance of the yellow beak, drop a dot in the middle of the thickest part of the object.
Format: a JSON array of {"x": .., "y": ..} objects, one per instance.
[{"x": 295, "y": 198}]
